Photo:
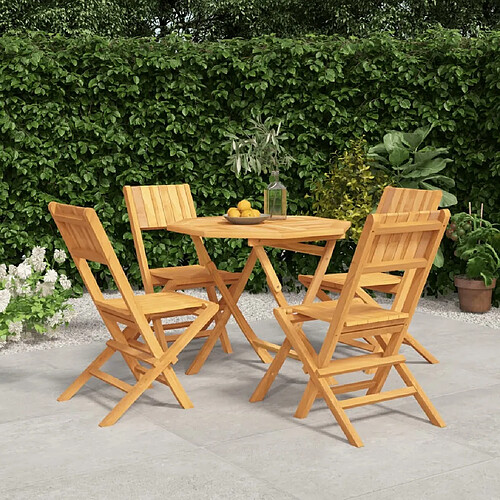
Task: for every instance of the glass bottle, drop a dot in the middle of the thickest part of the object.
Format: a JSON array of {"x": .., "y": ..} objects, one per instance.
[{"x": 275, "y": 198}]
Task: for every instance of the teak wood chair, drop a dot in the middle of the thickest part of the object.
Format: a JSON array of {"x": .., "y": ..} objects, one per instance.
[
  {"x": 154, "y": 208},
  {"x": 393, "y": 200},
  {"x": 87, "y": 242},
  {"x": 405, "y": 242}
]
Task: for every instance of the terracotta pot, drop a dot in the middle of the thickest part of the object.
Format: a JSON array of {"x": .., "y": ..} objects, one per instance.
[{"x": 473, "y": 295}]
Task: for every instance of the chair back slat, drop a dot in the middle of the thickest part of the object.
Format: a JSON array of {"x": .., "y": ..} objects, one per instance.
[
  {"x": 405, "y": 242},
  {"x": 395, "y": 200},
  {"x": 158, "y": 206}
]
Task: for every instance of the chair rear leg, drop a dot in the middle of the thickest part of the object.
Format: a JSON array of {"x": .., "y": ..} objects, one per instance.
[
  {"x": 126, "y": 402},
  {"x": 413, "y": 342},
  {"x": 422, "y": 398},
  {"x": 85, "y": 376},
  {"x": 265, "y": 384},
  {"x": 306, "y": 401},
  {"x": 177, "y": 389}
]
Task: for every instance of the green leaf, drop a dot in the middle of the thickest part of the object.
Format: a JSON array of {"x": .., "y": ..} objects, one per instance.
[
  {"x": 392, "y": 140},
  {"x": 447, "y": 199},
  {"x": 429, "y": 153},
  {"x": 398, "y": 156},
  {"x": 431, "y": 167},
  {"x": 439, "y": 259}
]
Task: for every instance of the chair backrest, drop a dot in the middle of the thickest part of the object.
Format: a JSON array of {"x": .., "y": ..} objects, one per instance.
[
  {"x": 155, "y": 207},
  {"x": 396, "y": 200},
  {"x": 87, "y": 241},
  {"x": 405, "y": 242}
]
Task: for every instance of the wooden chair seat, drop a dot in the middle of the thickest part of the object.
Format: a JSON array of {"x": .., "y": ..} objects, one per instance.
[
  {"x": 359, "y": 313},
  {"x": 187, "y": 277},
  {"x": 381, "y": 282},
  {"x": 152, "y": 304}
]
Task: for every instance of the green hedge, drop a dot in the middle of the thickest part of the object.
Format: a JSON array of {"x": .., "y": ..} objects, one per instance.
[{"x": 82, "y": 117}]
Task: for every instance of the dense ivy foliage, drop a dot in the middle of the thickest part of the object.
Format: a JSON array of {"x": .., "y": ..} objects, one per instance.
[{"x": 82, "y": 117}]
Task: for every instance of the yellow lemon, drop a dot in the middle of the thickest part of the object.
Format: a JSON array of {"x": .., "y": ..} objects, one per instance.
[
  {"x": 233, "y": 212},
  {"x": 247, "y": 213},
  {"x": 244, "y": 205},
  {"x": 255, "y": 212}
]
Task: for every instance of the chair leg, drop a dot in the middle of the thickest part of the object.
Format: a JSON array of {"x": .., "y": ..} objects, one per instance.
[
  {"x": 224, "y": 339},
  {"x": 413, "y": 342},
  {"x": 338, "y": 413},
  {"x": 126, "y": 402},
  {"x": 321, "y": 384},
  {"x": 307, "y": 401},
  {"x": 177, "y": 389},
  {"x": 268, "y": 379},
  {"x": 205, "y": 350},
  {"x": 85, "y": 376},
  {"x": 422, "y": 398}
]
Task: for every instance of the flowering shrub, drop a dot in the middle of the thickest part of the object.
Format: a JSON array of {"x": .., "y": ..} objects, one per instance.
[{"x": 33, "y": 295}]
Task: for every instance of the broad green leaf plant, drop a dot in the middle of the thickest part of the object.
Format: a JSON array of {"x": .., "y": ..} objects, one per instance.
[
  {"x": 401, "y": 156},
  {"x": 478, "y": 244},
  {"x": 33, "y": 296},
  {"x": 260, "y": 151}
]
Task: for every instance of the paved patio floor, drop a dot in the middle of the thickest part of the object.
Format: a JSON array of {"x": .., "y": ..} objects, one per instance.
[{"x": 229, "y": 448}]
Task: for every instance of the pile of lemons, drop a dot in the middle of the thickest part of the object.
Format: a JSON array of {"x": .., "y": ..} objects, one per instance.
[{"x": 244, "y": 209}]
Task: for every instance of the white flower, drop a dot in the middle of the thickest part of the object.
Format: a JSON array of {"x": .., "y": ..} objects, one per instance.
[
  {"x": 24, "y": 290},
  {"x": 50, "y": 276},
  {"x": 24, "y": 270},
  {"x": 56, "y": 320},
  {"x": 37, "y": 259},
  {"x": 59, "y": 256},
  {"x": 68, "y": 315},
  {"x": 4, "y": 300},
  {"x": 45, "y": 289},
  {"x": 3, "y": 272},
  {"x": 65, "y": 282},
  {"x": 38, "y": 252},
  {"x": 12, "y": 271},
  {"x": 15, "y": 327}
]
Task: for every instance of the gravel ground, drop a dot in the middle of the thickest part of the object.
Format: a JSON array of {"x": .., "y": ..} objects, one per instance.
[{"x": 87, "y": 326}]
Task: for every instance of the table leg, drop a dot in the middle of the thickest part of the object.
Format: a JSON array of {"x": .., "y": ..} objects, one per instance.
[
  {"x": 230, "y": 298},
  {"x": 276, "y": 290},
  {"x": 320, "y": 272}
]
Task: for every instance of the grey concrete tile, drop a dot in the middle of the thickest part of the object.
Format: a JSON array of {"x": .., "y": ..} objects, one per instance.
[
  {"x": 472, "y": 418},
  {"x": 218, "y": 415},
  {"x": 34, "y": 450},
  {"x": 479, "y": 482},
  {"x": 317, "y": 463},
  {"x": 198, "y": 475}
]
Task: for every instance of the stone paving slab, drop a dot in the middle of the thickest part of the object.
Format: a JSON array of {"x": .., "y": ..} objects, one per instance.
[{"x": 226, "y": 447}]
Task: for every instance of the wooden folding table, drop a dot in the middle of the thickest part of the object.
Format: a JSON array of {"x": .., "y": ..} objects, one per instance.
[{"x": 293, "y": 233}]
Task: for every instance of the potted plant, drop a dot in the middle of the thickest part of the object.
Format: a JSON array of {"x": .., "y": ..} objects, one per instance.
[
  {"x": 478, "y": 244},
  {"x": 261, "y": 152}
]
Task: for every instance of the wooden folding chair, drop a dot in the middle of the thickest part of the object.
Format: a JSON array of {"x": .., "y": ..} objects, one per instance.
[
  {"x": 405, "y": 242},
  {"x": 393, "y": 200},
  {"x": 87, "y": 242},
  {"x": 154, "y": 208}
]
